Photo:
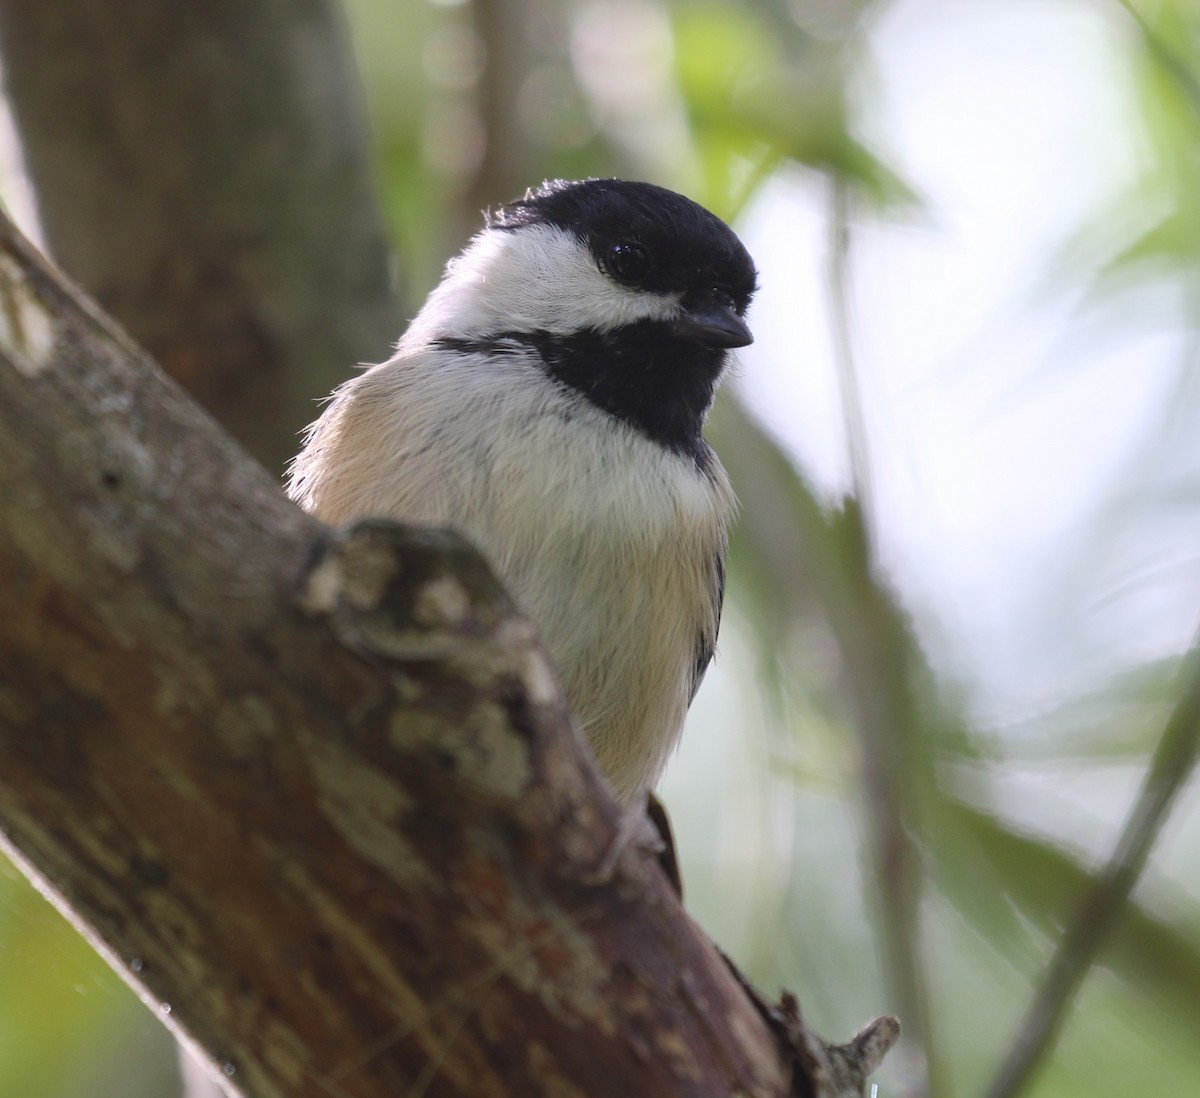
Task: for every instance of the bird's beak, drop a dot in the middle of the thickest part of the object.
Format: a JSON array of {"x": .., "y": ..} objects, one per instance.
[{"x": 713, "y": 324}]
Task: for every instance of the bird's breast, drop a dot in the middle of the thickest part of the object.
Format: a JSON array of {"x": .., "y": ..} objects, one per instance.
[{"x": 611, "y": 545}]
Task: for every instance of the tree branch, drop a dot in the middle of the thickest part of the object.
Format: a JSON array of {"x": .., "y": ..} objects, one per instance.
[{"x": 315, "y": 793}]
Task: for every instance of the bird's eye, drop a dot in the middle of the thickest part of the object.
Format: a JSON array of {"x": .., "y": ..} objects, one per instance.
[{"x": 627, "y": 262}]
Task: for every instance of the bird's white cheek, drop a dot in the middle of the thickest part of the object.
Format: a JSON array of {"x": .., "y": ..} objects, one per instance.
[
  {"x": 588, "y": 299},
  {"x": 539, "y": 278}
]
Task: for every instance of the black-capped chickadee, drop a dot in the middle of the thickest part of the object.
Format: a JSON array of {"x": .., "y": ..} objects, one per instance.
[{"x": 547, "y": 402}]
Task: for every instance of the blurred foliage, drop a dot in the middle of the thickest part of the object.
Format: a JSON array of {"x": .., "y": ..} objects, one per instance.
[
  {"x": 1166, "y": 62},
  {"x": 68, "y": 1027},
  {"x": 851, "y": 827}
]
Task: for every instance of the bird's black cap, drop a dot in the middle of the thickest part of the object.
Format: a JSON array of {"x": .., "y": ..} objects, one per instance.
[{"x": 688, "y": 247}]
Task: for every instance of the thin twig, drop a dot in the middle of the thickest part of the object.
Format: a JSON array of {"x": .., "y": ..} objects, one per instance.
[
  {"x": 1173, "y": 761},
  {"x": 881, "y": 693},
  {"x": 843, "y": 349}
]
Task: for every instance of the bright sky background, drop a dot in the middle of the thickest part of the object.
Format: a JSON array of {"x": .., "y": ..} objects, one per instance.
[{"x": 999, "y": 420}]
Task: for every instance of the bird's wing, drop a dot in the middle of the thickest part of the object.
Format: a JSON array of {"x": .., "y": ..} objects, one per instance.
[{"x": 706, "y": 640}]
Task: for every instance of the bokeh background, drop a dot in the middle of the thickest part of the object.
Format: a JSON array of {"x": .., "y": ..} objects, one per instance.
[{"x": 967, "y": 442}]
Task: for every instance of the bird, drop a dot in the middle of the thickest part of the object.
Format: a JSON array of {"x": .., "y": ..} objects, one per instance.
[{"x": 547, "y": 403}]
